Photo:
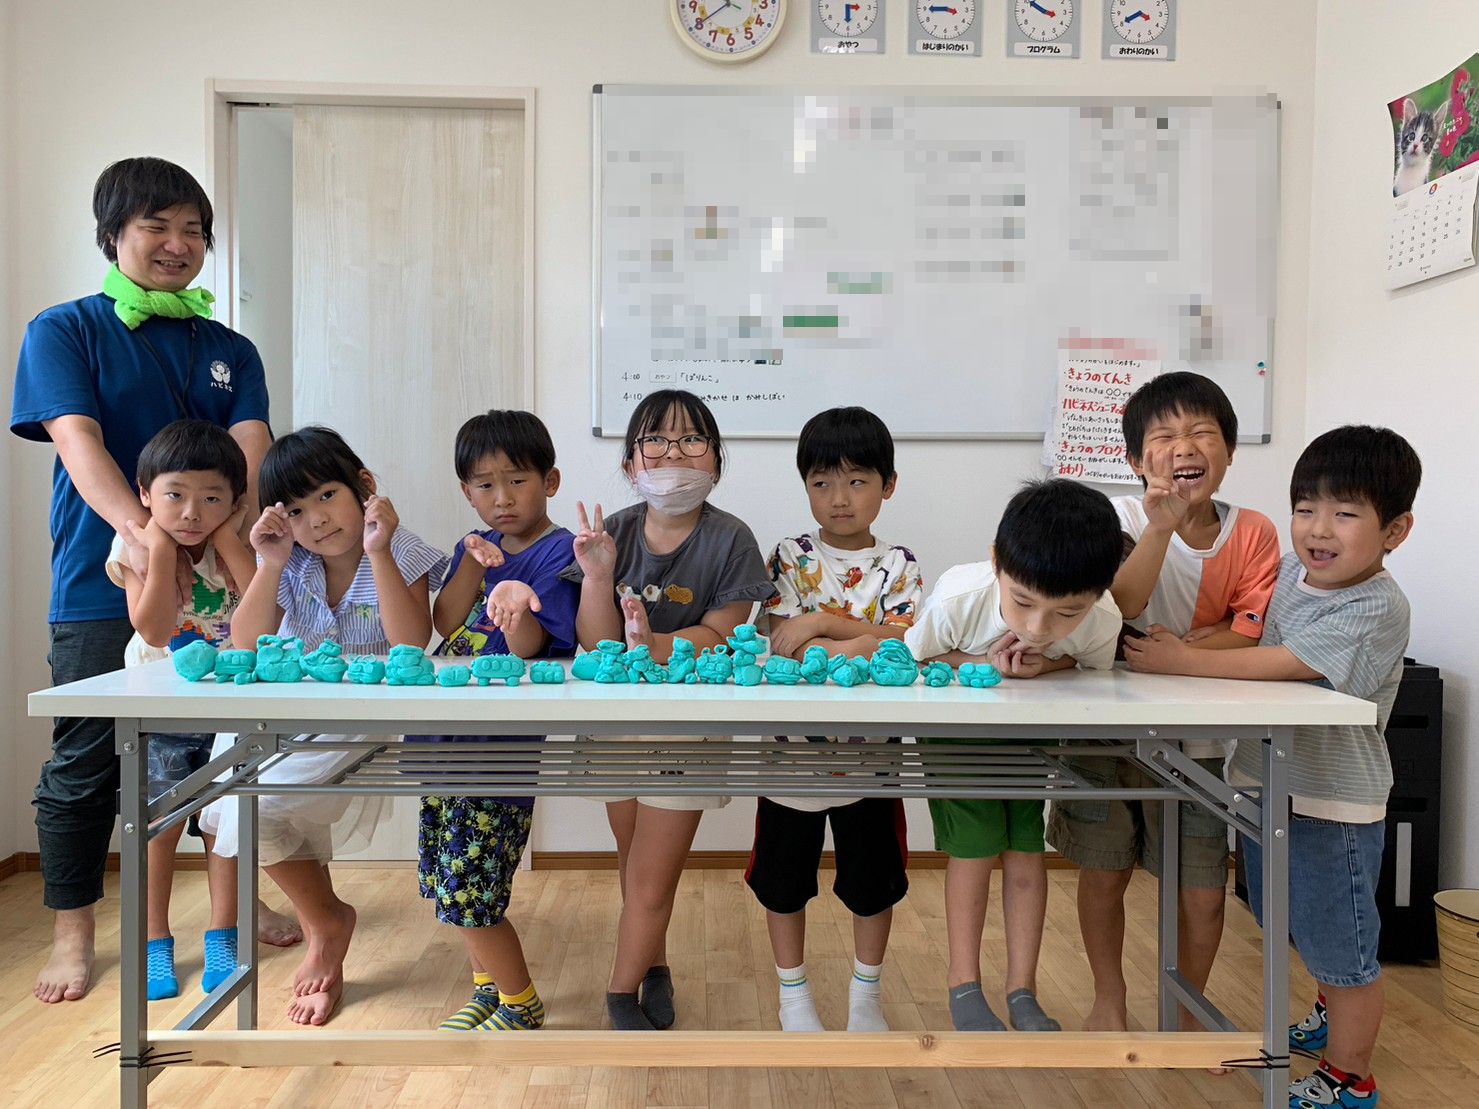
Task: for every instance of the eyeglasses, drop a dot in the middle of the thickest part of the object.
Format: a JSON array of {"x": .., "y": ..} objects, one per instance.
[{"x": 657, "y": 446}]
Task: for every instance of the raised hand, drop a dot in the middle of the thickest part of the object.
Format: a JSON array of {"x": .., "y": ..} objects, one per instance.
[
  {"x": 380, "y": 523},
  {"x": 508, "y": 602},
  {"x": 634, "y": 622},
  {"x": 1165, "y": 505},
  {"x": 595, "y": 550},
  {"x": 485, "y": 553},
  {"x": 272, "y": 536}
]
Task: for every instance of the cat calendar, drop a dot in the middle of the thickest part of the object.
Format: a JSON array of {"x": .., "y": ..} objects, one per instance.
[{"x": 1432, "y": 230}]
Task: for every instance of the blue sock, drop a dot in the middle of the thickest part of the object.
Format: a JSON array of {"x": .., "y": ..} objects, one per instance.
[
  {"x": 220, "y": 957},
  {"x": 161, "y": 964}
]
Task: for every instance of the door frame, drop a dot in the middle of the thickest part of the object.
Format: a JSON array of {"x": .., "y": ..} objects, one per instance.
[{"x": 222, "y": 95}]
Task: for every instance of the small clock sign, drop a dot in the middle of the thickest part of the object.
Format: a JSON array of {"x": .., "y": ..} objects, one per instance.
[{"x": 1140, "y": 29}]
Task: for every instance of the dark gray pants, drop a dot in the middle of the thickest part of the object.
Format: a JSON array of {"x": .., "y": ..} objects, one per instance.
[{"x": 77, "y": 798}]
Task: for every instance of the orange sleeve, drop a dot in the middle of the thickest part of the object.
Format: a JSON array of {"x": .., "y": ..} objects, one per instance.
[{"x": 1259, "y": 571}]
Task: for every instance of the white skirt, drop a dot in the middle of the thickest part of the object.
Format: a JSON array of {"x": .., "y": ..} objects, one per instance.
[{"x": 299, "y": 825}]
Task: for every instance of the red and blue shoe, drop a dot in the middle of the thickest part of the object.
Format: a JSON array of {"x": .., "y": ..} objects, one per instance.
[
  {"x": 1313, "y": 1032},
  {"x": 1330, "y": 1087}
]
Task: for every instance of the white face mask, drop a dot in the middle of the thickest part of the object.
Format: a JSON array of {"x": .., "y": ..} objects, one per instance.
[{"x": 673, "y": 489}]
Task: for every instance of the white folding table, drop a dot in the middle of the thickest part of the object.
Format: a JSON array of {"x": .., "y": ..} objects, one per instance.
[{"x": 1114, "y": 714}]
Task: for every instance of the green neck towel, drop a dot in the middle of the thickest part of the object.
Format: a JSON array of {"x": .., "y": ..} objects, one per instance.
[{"x": 135, "y": 304}]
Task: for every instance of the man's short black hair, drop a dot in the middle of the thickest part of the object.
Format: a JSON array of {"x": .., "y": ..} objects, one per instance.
[
  {"x": 1059, "y": 538},
  {"x": 187, "y": 446},
  {"x": 845, "y": 437},
  {"x": 303, "y": 460},
  {"x": 1358, "y": 462},
  {"x": 141, "y": 187},
  {"x": 1182, "y": 393},
  {"x": 521, "y": 436}
]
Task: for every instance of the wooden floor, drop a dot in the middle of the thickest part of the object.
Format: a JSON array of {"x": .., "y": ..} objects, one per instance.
[{"x": 406, "y": 972}]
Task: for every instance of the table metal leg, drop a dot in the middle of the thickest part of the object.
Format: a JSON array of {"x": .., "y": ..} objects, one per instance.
[
  {"x": 246, "y": 909},
  {"x": 1169, "y": 948},
  {"x": 1275, "y": 828},
  {"x": 133, "y": 1002}
]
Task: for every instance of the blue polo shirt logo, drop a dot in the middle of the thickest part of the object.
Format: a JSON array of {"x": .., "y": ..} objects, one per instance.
[{"x": 220, "y": 376}]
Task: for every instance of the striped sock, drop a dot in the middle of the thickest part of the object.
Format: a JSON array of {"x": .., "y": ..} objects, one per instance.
[
  {"x": 482, "y": 978},
  {"x": 220, "y": 957},
  {"x": 864, "y": 1013},
  {"x": 798, "y": 1010},
  {"x": 161, "y": 967},
  {"x": 482, "y": 1006},
  {"x": 515, "y": 1013}
]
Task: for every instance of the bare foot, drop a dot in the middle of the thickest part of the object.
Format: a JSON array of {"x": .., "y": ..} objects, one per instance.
[
  {"x": 276, "y": 929},
  {"x": 1107, "y": 1017},
  {"x": 67, "y": 975},
  {"x": 323, "y": 962},
  {"x": 316, "y": 1008}
]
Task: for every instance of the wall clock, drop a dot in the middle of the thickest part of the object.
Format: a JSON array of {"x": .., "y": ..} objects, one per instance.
[
  {"x": 1140, "y": 29},
  {"x": 728, "y": 30},
  {"x": 1042, "y": 29},
  {"x": 944, "y": 27},
  {"x": 847, "y": 26}
]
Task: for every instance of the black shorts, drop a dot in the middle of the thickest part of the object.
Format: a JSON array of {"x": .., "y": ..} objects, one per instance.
[{"x": 872, "y": 855}]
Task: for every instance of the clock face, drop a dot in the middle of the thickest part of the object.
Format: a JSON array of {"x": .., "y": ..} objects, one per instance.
[
  {"x": 729, "y": 30},
  {"x": 846, "y": 17},
  {"x": 1139, "y": 21},
  {"x": 1044, "y": 20},
  {"x": 945, "y": 21}
]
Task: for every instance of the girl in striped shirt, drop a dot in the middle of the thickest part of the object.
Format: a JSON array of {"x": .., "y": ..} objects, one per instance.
[{"x": 333, "y": 564}]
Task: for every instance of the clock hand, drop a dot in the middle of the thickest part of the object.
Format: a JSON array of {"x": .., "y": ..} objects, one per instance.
[
  {"x": 1135, "y": 16},
  {"x": 943, "y": 8},
  {"x": 1039, "y": 7}
]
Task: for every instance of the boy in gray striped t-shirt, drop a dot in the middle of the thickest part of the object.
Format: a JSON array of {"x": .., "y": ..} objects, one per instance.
[{"x": 1337, "y": 618}]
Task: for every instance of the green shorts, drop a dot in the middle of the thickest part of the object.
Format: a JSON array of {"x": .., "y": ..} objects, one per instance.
[
  {"x": 1115, "y": 835},
  {"x": 981, "y": 828}
]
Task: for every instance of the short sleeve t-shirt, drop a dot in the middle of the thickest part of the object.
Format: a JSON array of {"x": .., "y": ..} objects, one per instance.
[
  {"x": 879, "y": 585},
  {"x": 207, "y": 615},
  {"x": 354, "y": 623},
  {"x": 963, "y": 613},
  {"x": 537, "y": 566},
  {"x": 718, "y": 564},
  {"x": 78, "y": 359},
  {"x": 1231, "y": 580},
  {"x": 1356, "y": 638}
]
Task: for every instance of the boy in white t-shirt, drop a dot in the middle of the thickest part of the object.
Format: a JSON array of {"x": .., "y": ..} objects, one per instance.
[
  {"x": 1040, "y": 604},
  {"x": 192, "y": 478},
  {"x": 840, "y": 588}
]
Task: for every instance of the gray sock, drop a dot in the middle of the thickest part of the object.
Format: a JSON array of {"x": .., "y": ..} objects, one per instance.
[
  {"x": 969, "y": 1011},
  {"x": 657, "y": 997},
  {"x": 1027, "y": 1014},
  {"x": 626, "y": 1015}
]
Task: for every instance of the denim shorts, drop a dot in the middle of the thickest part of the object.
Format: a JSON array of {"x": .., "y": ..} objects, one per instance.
[
  {"x": 173, "y": 758},
  {"x": 1333, "y": 870}
]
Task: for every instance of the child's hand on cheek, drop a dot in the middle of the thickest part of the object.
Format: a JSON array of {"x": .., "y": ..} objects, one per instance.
[
  {"x": 1014, "y": 658},
  {"x": 380, "y": 523},
  {"x": 508, "y": 602},
  {"x": 272, "y": 536},
  {"x": 231, "y": 527},
  {"x": 152, "y": 536},
  {"x": 638, "y": 630},
  {"x": 486, "y": 554}
]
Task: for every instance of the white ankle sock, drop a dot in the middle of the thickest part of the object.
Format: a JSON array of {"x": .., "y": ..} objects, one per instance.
[
  {"x": 864, "y": 1013},
  {"x": 798, "y": 1010}
]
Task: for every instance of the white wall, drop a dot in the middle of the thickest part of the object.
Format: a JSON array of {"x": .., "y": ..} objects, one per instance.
[
  {"x": 264, "y": 219},
  {"x": 1401, "y": 359},
  {"x": 9, "y": 688},
  {"x": 156, "y": 107}
]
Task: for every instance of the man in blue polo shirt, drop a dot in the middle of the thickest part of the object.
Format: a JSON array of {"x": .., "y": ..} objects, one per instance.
[{"x": 98, "y": 377}]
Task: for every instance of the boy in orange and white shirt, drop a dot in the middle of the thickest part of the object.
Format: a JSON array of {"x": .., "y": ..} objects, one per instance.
[{"x": 1204, "y": 571}]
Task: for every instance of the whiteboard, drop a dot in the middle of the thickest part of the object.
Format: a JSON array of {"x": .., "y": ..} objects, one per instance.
[{"x": 923, "y": 253}]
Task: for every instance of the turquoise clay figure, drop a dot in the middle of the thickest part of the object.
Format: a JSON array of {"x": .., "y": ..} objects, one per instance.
[
  {"x": 745, "y": 641},
  {"x": 979, "y": 675},
  {"x": 546, "y": 672},
  {"x": 814, "y": 665},
  {"x": 780, "y": 670},
  {"x": 507, "y": 669},
  {"x": 279, "y": 659},
  {"x": 409, "y": 665},
  {"x": 366, "y": 670},
  {"x": 583, "y": 669},
  {"x": 937, "y": 674},
  {"x": 195, "y": 660},
  {"x": 640, "y": 666},
  {"x": 681, "y": 664},
  {"x": 842, "y": 671},
  {"x": 326, "y": 664},
  {"x": 892, "y": 664},
  {"x": 714, "y": 666},
  {"x": 450, "y": 677},
  {"x": 236, "y": 666},
  {"x": 609, "y": 670}
]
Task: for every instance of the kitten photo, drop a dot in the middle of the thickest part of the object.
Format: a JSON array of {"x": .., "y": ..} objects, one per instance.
[{"x": 1415, "y": 143}]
